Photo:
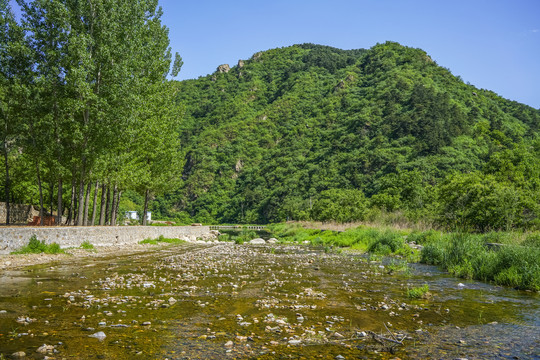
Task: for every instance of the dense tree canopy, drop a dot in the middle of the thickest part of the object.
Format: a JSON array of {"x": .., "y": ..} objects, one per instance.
[
  {"x": 85, "y": 99},
  {"x": 302, "y": 132},
  {"x": 291, "y": 131}
]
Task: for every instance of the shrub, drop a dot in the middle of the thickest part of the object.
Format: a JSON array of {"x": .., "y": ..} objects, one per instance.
[
  {"x": 161, "y": 239},
  {"x": 37, "y": 247},
  {"x": 386, "y": 243},
  {"x": 418, "y": 292},
  {"x": 532, "y": 240},
  {"x": 87, "y": 245}
]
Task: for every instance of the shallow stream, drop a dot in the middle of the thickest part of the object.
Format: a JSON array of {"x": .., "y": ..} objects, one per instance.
[{"x": 266, "y": 302}]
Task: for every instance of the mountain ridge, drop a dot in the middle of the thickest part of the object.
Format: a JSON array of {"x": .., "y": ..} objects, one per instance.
[{"x": 265, "y": 140}]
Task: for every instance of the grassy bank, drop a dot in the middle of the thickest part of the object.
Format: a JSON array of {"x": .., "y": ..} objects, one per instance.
[{"x": 504, "y": 258}]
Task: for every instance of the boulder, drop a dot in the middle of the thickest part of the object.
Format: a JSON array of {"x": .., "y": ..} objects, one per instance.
[
  {"x": 273, "y": 241},
  {"x": 257, "y": 241},
  {"x": 224, "y": 68}
]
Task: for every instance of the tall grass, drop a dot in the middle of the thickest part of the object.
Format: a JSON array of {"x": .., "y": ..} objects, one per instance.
[{"x": 510, "y": 262}]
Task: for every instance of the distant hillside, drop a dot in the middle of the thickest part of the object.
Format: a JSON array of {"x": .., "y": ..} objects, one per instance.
[{"x": 314, "y": 132}]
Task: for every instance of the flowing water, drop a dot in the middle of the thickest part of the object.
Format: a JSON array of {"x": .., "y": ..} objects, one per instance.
[{"x": 263, "y": 302}]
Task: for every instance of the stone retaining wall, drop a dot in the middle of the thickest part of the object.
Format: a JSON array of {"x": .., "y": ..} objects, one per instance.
[
  {"x": 19, "y": 214},
  {"x": 14, "y": 238}
]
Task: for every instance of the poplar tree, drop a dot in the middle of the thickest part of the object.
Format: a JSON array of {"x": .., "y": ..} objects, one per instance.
[{"x": 15, "y": 76}]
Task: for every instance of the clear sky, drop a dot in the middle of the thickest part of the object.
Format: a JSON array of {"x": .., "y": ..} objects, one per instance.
[{"x": 493, "y": 44}]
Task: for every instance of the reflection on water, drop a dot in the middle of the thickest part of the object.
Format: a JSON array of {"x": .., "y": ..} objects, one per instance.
[{"x": 242, "y": 301}]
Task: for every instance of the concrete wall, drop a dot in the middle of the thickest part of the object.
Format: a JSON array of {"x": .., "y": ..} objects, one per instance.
[
  {"x": 14, "y": 238},
  {"x": 19, "y": 214}
]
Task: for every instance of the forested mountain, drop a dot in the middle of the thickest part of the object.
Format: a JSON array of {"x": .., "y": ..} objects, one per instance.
[{"x": 314, "y": 132}]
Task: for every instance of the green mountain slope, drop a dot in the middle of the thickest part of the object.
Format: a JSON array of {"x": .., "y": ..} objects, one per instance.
[{"x": 314, "y": 132}]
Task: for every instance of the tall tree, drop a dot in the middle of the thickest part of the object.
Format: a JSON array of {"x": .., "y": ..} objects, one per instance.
[{"x": 15, "y": 76}]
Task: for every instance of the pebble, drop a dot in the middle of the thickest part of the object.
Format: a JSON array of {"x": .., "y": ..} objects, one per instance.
[
  {"x": 295, "y": 342},
  {"x": 229, "y": 344},
  {"x": 340, "y": 357},
  {"x": 146, "y": 323},
  {"x": 18, "y": 355}
]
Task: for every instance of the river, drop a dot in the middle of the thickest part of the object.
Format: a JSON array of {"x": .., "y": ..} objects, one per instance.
[{"x": 220, "y": 301}]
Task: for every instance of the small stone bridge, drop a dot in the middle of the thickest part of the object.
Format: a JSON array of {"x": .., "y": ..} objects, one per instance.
[{"x": 238, "y": 227}]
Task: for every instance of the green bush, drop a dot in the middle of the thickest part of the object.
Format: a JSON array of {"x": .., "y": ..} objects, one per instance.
[
  {"x": 37, "y": 247},
  {"x": 532, "y": 240},
  {"x": 87, "y": 245},
  {"x": 160, "y": 240},
  {"x": 418, "y": 292},
  {"x": 387, "y": 243}
]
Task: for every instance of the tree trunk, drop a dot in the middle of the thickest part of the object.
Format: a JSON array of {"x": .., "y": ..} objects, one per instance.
[
  {"x": 75, "y": 206},
  {"x": 113, "y": 207},
  {"x": 41, "y": 213},
  {"x": 7, "y": 188},
  {"x": 59, "y": 213},
  {"x": 146, "y": 195},
  {"x": 117, "y": 204},
  {"x": 94, "y": 205},
  {"x": 72, "y": 203},
  {"x": 103, "y": 211},
  {"x": 87, "y": 203},
  {"x": 107, "y": 205},
  {"x": 80, "y": 214},
  {"x": 51, "y": 198}
]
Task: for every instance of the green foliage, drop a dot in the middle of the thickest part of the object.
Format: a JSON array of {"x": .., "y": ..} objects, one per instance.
[
  {"x": 340, "y": 205},
  {"x": 377, "y": 241},
  {"x": 37, "y": 247},
  {"x": 162, "y": 240},
  {"x": 87, "y": 245},
  {"x": 467, "y": 256},
  {"x": 312, "y": 132},
  {"x": 387, "y": 243},
  {"x": 418, "y": 292}
]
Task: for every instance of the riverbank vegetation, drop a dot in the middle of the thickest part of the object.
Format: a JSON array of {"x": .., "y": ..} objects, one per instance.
[
  {"x": 38, "y": 247},
  {"x": 503, "y": 258}
]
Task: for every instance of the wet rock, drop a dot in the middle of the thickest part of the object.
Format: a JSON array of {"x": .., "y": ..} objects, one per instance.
[
  {"x": 295, "y": 342},
  {"x": 229, "y": 344},
  {"x": 340, "y": 357},
  {"x": 45, "y": 349},
  {"x": 18, "y": 355},
  {"x": 100, "y": 335},
  {"x": 146, "y": 323},
  {"x": 273, "y": 241}
]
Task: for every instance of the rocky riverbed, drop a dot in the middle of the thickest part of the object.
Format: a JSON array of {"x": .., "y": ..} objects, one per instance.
[{"x": 214, "y": 301}]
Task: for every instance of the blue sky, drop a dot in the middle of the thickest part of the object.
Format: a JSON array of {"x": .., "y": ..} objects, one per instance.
[{"x": 492, "y": 44}]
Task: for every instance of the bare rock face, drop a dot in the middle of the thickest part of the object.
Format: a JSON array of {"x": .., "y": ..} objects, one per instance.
[
  {"x": 240, "y": 63},
  {"x": 224, "y": 68},
  {"x": 257, "y": 56}
]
